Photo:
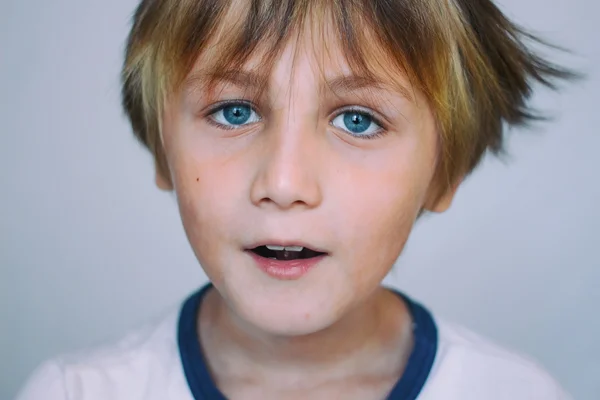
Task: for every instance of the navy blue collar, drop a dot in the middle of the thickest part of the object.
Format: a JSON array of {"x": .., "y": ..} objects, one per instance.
[{"x": 408, "y": 386}]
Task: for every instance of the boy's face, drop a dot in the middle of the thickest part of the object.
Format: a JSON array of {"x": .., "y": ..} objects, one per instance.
[{"x": 303, "y": 165}]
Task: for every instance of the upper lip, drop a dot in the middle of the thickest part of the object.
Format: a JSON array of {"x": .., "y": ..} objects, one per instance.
[{"x": 286, "y": 243}]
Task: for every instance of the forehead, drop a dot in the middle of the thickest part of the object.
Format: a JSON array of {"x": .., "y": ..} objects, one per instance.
[{"x": 234, "y": 54}]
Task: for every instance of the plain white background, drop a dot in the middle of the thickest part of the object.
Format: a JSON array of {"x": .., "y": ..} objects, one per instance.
[{"x": 90, "y": 248}]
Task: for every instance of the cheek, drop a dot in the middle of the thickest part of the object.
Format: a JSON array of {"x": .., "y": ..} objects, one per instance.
[
  {"x": 378, "y": 208},
  {"x": 205, "y": 215},
  {"x": 379, "y": 232},
  {"x": 208, "y": 193},
  {"x": 206, "y": 177}
]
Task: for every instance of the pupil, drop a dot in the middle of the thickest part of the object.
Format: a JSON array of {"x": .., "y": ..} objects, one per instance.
[
  {"x": 237, "y": 115},
  {"x": 356, "y": 122}
]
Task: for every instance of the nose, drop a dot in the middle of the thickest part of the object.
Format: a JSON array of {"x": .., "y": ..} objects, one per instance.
[{"x": 288, "y": 172}]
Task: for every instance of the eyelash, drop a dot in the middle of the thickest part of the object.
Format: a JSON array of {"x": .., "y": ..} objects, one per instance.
[{"x": 359, "y": 110}]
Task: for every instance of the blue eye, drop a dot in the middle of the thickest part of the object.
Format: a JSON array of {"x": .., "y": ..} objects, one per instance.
[
  {"x": 235, "y": 115},
  {"x": 357, "y": 123}
]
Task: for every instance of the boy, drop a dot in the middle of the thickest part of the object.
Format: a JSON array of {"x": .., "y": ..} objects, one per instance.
[{"x": 302, "y": 140}]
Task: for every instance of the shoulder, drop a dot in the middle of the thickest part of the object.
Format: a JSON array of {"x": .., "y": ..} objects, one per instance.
[
  {"x": 146, "y": 361},
  {"x": 472, "y": 367}
]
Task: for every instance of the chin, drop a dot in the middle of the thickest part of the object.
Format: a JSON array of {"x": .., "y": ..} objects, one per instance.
[
  {"x": 284, "y": 308},
  {"x": 289, "y": 324}
]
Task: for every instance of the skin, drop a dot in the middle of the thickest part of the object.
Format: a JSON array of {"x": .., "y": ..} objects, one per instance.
[{"x": 295, "y": 175}]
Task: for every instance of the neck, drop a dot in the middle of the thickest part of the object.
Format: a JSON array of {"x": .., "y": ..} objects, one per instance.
[{"x": 373, "y": 339}]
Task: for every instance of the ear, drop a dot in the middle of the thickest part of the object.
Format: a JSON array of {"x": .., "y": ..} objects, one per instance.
[
  {"x": 161, "y": 182},
  {"x": 440, "y": 204}
]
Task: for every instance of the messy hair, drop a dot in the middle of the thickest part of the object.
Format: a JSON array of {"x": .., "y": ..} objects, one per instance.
[{"x": 474, "y": 66}]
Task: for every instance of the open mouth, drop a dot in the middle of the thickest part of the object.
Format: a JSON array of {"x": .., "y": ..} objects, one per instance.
[{"x": 286, "y": 253}]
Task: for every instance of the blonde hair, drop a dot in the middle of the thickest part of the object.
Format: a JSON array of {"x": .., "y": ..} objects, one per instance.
[{"x": 474, "y": 66}]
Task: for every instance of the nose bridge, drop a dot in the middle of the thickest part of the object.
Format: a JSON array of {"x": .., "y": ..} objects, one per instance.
[{"x": 288, "y": 176}]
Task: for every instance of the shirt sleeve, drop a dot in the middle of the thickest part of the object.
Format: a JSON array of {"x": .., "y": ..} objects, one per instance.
[{"x": 46, "y": 383}]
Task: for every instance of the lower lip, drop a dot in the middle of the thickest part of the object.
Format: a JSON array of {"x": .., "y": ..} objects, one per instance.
[{"x": 286, "y": 270}]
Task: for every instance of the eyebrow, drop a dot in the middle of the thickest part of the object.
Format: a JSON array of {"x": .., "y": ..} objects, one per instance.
[
  {"x": 239, "y": 78},
  {"x": 252, "y": 80},
  {"x": 350, "y": 83}
]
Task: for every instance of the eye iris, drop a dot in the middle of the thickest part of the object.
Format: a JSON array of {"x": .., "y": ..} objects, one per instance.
[
  {"x": 237, "y": 115},
  {"x": 356, "y": 122}
]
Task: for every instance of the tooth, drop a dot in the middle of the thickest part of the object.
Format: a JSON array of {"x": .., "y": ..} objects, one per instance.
[
  {"x": 275, "y": 248},
  {"x": 294, "y": 248}
]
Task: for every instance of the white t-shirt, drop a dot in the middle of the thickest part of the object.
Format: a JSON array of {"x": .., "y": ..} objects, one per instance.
[{"x": 164, "y": 362}]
